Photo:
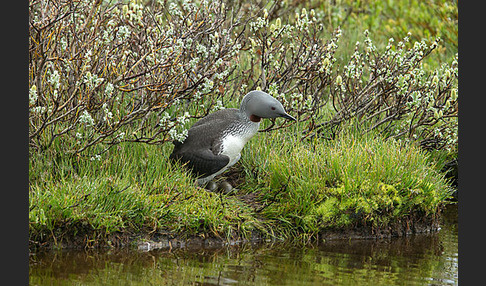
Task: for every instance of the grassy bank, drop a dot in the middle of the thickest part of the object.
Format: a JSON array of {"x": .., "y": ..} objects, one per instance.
[
  {"x": 287, "y": 189},
  {"x": 91, "y": 112},
  {"x": 356, "y": 180},
  {"x": 132, "y": 189}
]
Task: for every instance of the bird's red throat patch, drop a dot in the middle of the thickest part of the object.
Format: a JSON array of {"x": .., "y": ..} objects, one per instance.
[{"x": 255, "y": 118}]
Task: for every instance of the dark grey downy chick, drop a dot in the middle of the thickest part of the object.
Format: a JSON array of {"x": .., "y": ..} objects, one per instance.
[{"x": 214, "y": 143}]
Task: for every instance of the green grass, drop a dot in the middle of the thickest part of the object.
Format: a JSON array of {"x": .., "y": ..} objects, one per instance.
[
  {"x": 133, "y": 188},
  {"x": 301, "y": 189},
  {"x": 353, "y": 180}
]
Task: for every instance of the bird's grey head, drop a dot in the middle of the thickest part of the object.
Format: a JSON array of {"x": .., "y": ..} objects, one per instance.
[{"x": 258, "y": 104}]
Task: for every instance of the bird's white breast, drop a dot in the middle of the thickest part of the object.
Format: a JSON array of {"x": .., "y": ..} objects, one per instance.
[{"x": 233, "y": 144}]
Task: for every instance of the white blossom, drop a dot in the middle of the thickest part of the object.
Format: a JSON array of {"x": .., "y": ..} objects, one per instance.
[
  {"x": 55, "y": 79},
  {"x": 123, "y": 33},
  {"x": 85, "y": 118},
  {"x": 96, "y": 157},
  {"x": 218, "y": 105},
  {"x": 109, "y": 89},
  {"x": 178, "y": 136},
  {"x": 33, "y": 95},
  {"x": 107, "y": 114},
  {"x": 92, "y": 80},
  {"x": 207, "y": 85}
]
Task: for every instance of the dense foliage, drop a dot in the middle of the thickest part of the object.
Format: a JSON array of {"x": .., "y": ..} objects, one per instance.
[{"x": 104, "y": 72}]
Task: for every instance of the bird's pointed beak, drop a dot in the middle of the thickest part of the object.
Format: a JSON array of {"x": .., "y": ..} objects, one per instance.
[{"x": 288, "y": 116}]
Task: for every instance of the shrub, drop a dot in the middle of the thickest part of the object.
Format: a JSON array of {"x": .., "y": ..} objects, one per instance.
[
  {"x": 393, "y": 92},
  {"x": 108, "y": 73},
  {"x": 105, "y": 72},
  {"x": 389, "y": 87}
]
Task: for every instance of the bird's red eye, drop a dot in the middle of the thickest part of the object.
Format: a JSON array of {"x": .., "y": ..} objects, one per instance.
[{"x": 273, "y": 108}]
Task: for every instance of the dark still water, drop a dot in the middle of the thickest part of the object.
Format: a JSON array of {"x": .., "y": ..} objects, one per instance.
[{"x": 428, "y": 259}]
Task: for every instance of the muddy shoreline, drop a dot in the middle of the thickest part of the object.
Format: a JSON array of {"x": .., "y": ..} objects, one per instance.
[{"x": 163, "y": 240}]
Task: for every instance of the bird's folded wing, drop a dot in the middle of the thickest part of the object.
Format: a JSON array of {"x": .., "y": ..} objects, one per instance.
[{"x": 202, "y": 162}]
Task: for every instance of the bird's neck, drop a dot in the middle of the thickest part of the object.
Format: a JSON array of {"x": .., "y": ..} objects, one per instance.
[
  {"x": 249, "y": 117},
  {"x": 246, "y": 114}
]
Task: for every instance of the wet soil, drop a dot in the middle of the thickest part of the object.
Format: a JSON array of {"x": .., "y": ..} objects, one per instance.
[{"x": 165, "y": 240}]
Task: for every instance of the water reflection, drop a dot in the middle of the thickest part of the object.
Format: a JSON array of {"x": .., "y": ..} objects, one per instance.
[{"x": 418, "y": 260}]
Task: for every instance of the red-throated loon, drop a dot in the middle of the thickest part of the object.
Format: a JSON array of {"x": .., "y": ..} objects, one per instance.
[{"x": 214, "y": 142}]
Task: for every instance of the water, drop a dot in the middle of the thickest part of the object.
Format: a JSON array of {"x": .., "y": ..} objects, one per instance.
[{"x": 428, "y": 259}]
